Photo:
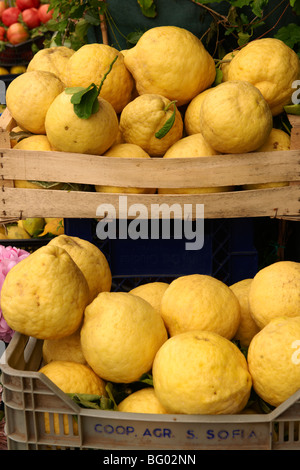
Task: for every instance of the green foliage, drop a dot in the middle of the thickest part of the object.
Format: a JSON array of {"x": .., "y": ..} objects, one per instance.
[
  {"x": 243, "y": 17},
  {"x": 72, "y": 20}
]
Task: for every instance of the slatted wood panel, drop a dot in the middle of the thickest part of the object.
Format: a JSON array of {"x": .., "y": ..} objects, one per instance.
[{"x": 219, "y": 170}]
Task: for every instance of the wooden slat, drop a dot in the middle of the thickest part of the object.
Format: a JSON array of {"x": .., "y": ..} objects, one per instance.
[
  {"x": 151, "y": 173},
  {"x": 273, "y": 202}
]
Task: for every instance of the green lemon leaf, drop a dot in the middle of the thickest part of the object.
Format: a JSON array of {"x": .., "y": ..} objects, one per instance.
[
  {"x": 86, "y": 104},
  {"x": 292, "y": 109},
  {"x": 148, "y": 8},
  {"x": 168, "y": 124},
  {"x": 95, "y": 402}
]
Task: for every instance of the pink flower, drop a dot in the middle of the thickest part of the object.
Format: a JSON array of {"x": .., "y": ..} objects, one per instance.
[{"x": 9, "y": 257}]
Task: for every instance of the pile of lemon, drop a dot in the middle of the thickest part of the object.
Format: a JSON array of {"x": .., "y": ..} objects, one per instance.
[
  {"x": 190, "y": 334},
  {"x": 158, "y": 100}
]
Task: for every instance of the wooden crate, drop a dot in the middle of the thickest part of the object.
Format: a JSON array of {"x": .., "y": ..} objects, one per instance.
[{"x": 233, "y": 170}]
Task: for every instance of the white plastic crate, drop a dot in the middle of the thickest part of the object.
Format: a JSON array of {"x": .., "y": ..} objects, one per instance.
[{"x": 28, "y": 395}]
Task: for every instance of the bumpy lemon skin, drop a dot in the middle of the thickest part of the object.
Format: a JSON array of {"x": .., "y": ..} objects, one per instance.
[
  {"x": 160, "y": 64},
  {"x": 201, "y": 372}
]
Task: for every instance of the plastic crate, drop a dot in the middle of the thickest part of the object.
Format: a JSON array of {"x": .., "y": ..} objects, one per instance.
[
  {"x": 27, "y": 395},
  {"x": 19, "y": 54},
  {"x": 228, "y": 253}
]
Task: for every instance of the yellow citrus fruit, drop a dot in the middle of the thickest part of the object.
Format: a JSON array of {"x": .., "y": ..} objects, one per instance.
[
  {"x": 142, "y": 401},
  {"x": 34, "y": 142},
  {"x": 53, "y": 226},
  {"x": 235, "y": 117},
  {"x": 125, "y": 150},
  {"x": 152, "y": 292},
  {"x": 63, "y": 349},
  {"x": 90, "y": 63},
  {"x": 247, "y": 327},
  {"x": 45, "y": 295},
  {"x": 273, "y": 360},
  {"x": 90, "y": 260},
  {"x": 14, "y": 231},
  {"x": 199, "y": 301},
  {"x": 69, "y": 133},
  {"x": 277, "y": 140},
  {"x": 201, "y": 372},
  {"x": 143, "y": 117},
  {"x": 4, "y": 71},
  {"x": 192, "y": 146},
  {"x": 120, "y": 336},
  {"x": 170, "y": 61},
  {"x": 224, "y": 66},
  {"x": 275, "y": 291},
  {"x": 271, "y": 66},
  {"x": 51, "y": 59},
  {"x": 192, "y": 114},
  {"x": 70, "y": 377},
  {"x": 18, "y": 69},
  {"x": 29, "y": 96}
]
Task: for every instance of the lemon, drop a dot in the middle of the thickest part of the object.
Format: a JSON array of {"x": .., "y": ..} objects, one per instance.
[
  {"x": 51, "y": 59},
  {"x": 142, "y": 401},
  {"x": 14, "y": 231},
  {"x": 271, "y": 66},
  {"x": 33, "y": 225},
  {"x": 273, "y": 360},
  {"x": 199, "y": 301},
  {"x": 247, "y": 327},
  {"x": 29, "y": 96},
  {"x": 90, "y": 260},
  {"x": 235, "y": 117},
  {"x": 70, "y": 377},
  {"x": 4, "y": 71},
  {"x": 125, "y": 150},
  {"x": 45, "y": 295},
  {"x": 152, "y": 292},
  {"x": 192, "y": 114},
  {"x": 224, "y": 66},
  {"x": 201, "y": 372},
  {"x": 189, "y": 147},
  {"x": 120, "y": 336},
  {"x": 170, "y": 61},
  {"x": 34, "y": 142},
  {"x": 63, "y": 349},
  {"x": 277, "y": 140},
  {"x": 275, "y": 292},
  {"x": 18, "y": 69},
  {"x": 54, "y": 226},
  {"x": 143, "y": 117},
  {"x": 89, "y": 64},
  {"x": 67, "y": 132}
]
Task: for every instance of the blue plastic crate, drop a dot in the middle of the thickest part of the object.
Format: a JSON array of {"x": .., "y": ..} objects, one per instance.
[{"x": 228, "y": 253}]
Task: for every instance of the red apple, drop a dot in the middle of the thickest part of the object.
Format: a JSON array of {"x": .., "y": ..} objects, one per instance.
[
  {"x": 16, "y": 33},
  {"x": 23, "y": 4},
  {"x": 10, "y": 15},
  {"x": 44, "y": 14},
  {"x": 31, "y": 18},
  {"x": 2, "y": 33},
  {"x": 2, "y": 7}
]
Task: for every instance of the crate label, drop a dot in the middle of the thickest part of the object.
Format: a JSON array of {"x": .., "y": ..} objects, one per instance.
[{"x": 185, "y": 434}]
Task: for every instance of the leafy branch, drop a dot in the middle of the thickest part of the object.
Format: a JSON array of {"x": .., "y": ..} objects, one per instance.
[{"x": 243, "y": 18}]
